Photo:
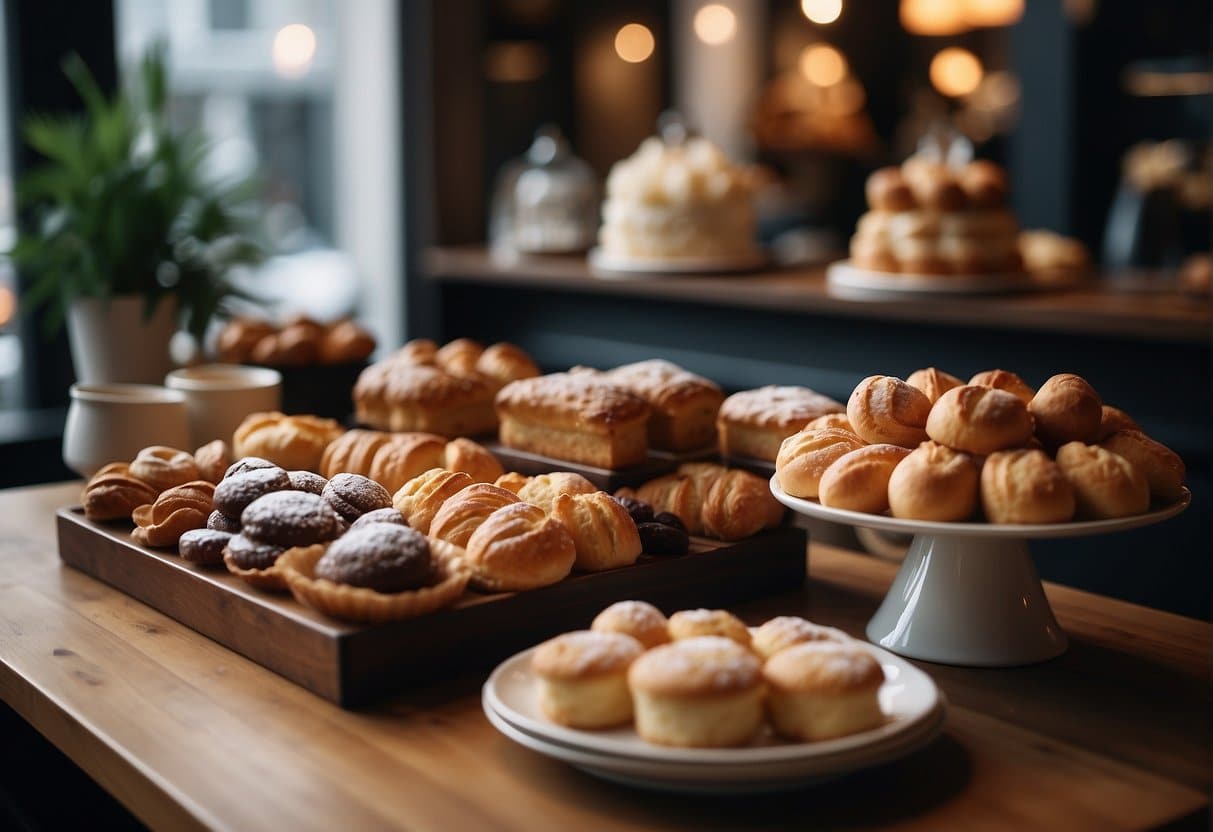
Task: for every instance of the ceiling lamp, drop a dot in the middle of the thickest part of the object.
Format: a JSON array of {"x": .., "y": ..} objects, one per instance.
[{"x": 715, "y": 24}]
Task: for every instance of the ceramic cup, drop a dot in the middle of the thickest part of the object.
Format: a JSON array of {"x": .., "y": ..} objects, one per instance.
[
  {"x": 113, "y": 422},
  {"x": 219, "y": 396}
]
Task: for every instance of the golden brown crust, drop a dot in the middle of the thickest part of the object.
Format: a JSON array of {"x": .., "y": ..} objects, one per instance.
[
  {"x": 213, "y": 459},
  {"x": 886, "y": 409},
  {"x": 345, "y": 342},
  {"x": 503, "y": 362},
  {"x": 1066, "y": 409},
  {"x": 785, "y": 631},
  {"x": 573, "y": 401},
  {"x": 739, "y": 504},
  {"x": 237, "y": 339},
  {"x": 708, "y": 666},
  {"x": 512, "y": 481},
  {"x": 1162, "y": 467},
  {"x": 859, "y": 479},
  {"x": 585, "y": 654},
  {"x": 1112, "y": 419},
  {"x": 420, "y": 498},
  {"x": 292, "y": 442},
  {"x": 777, "y": 407},
  {"x": 933, "y": 184},
  {"x": 1106, "y": 485},
  {"x": 1004, "y": 380},
  {"x": 163, "y": 467},
  {"x": 684, "y": 405},
  {"x": 604, "y": 535},
  {"x": 397, "y": 383},
  {"x": 352, "y": 452},
  {"x": 933, "y": 382},
  {"x": 675, "y": 493},
  {"x": 404, "y": 456},
  {"x": 459, "y": 357},
  {"x": 979, "y": 420},
  {"x": 887, "y": 190},
  {"x": 542, "y": 490},
  {"x": 472, "y": 458},
  {"x": 112, "y": 493},
  {"x": 823, "y": 667},
  {"x": 175, "y": 512},
  {"x": 519, "y": 547},
  {"x": 463, "y": 513},
  {"x": 416, "y": 351},
  {"x": 703, "y": 622},
  {"x": 638, "y": 619},
  {"x": 984, "y": 183},
  {"x": 1025, "y": 486},
  {"x": 805, "y": 456},
  {"x": 934, "y": 483},
  {"x": 831, "y": 420}
]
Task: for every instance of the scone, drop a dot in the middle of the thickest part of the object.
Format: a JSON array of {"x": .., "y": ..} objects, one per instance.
[
  {"x": 1106, "y": 485},
  {"x": 638, "y": 619},
  {"x": 753, "y": 423},
  {"x": 934, "y": 483},
  {"x": 684, "y": 404},
  {"x": 701, "y": 692},
  {"x": 695, "y": 623},
  {"x": 886, "y": 409},
  {"x": 786, "y": 631},
  {"x": 1163, "y": 468},
  {"x": 293, "y": 442},
  {"x": 1025, "y": 486},
  {"x": 859, "y": 480},
  {"x": 583, "y": 678},
  {"x": 604, "y": 535},
  {"x": 519, "y": 547},
  {"x": 805, "y": 456},
  {"x": 979, "y": 420},
  {"x": 823, "y": 690}
]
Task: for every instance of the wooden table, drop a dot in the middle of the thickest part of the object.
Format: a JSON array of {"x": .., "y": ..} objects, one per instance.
[{"x": 1115, "y": 734}]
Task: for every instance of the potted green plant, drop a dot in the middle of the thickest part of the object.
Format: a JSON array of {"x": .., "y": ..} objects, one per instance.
[{"x": 122, "y": 235}]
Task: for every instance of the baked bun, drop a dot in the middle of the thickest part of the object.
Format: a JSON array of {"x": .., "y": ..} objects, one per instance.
[
  {"x": 112, "y": 493},
  {"x": 1162, "y": 467},
  {"x": 352, "y": 452},
  {"x": 933, "y": 185},
  {"x": 887, "y": 190},
  {"x": 979, "y": 420},
  {"x": 886, "y": 409},
  {"x": 175, "y": 511},
  {"x": 583, "y": 678},
  {"x": 1025, "y": 486},
  {"x": 933, "y": 382},
  {"x": 163, "y": 467},
  {"x": 638, "y": 619},
  {"x": 1066, "y": 409},
  {"x": 466, "y": 509},
  {"x": 1004, "y": 380},
  {"x": 859, "y": 480},
  {"x": 831, "y": 420},
  {"x": 542, "y": 490},
  {"x": 213, "y": 459},
  {"x": 700, "y": 692},
  {"x": 420, "y": 498},
  {"x": 984, "y": 184},
  {"x": 695, "y": 623},
  {"x": 512, "y": 481},
  {"x": 237, "y": 339},
  {"x": 416, "y": 351},
  {"x": 504, "y": 363},
  {"x": 293, "y": 442},
  {"x": 934, "y": 483},
  {"x": 1112, "y": 419},
  {"x": 739, "y": 504},
  {"x": 785, "y": 631},
  {"x": 805, "y": 456},
  {"x": 519, "y": 547},
  {"x": 459, "y": 357},
  {"x": 1106, "y": 485},
  {"x": 345, "y": 342},
  {"x": 823, "y": 690},
  {"x": 404, "y": 456},
  {"x": 604, "y": 535},
  {"x": 472, "y": 459}
]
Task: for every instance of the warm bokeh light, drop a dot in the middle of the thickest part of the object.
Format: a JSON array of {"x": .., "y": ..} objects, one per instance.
[
  {"x": 515, "y": 61},
  {"x": 634, "y": 43},
  {"x": 955, "y": 71},
  {"x": 993, "y": 12},
  {"x": 821, "y": 11},
  {"x": 8, "y": 305},
  {"x": 293, "y": 50},
  {"x": 933, "y": 17},
  {"x": 823, "y": 65},
  {"x": 715, "y": 24},
  {"x": 845, "y": 98}
]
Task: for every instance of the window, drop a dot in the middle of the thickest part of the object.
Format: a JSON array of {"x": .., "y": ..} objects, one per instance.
[{"x": 10, "y": 345}]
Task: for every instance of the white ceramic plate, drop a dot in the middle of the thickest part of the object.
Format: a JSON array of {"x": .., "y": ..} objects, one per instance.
[
  {"x": 812, "y": 508},
  {"x": 610, "y": 265},
  {"x": 849, "y": 278}
]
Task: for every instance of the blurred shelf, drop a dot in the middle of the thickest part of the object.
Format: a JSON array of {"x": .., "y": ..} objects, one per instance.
[{"x": 1102, "y": 309}]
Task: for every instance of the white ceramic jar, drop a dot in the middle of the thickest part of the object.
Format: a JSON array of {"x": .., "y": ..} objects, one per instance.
[
  {"x": 113, "y": 422},
  {"x": 219, "y": 396}
]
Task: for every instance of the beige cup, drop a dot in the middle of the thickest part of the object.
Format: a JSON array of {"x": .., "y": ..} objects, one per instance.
[
  {"x": 219, "y": 396},
  {"x": 113, "y": 422}
]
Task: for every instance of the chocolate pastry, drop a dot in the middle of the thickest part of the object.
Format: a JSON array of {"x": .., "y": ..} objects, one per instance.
[
  {"x": 382, "y": 557},
  {"x": 249, "y": 463},
  {"x": 220, "y": 522},
  {"x": 238, "y": 491},
  {"x": 660, "y": 539},
  {"x": 290, "y": 518},
  {"x": 669, "y": 518},
  {"x": 353, "y": 495},
  {"x": 641, "y": 511},
  {"x": 307, "y": 481},
  {"x": 379, "y": 515},
  {"x": 203, "y": 545},
  {"x": 247, "y": 553}
]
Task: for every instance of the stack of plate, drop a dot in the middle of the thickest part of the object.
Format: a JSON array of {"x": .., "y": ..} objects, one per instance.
[{"x": 914, "y": 706}]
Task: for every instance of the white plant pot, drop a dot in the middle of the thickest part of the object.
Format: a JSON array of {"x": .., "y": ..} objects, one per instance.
[{"x": 111, "y": 341}]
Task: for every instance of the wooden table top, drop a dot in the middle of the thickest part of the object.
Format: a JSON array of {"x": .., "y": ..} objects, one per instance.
[
  {"x": 1105, "y": 307},
  {"x": 1114, "y": 734}
]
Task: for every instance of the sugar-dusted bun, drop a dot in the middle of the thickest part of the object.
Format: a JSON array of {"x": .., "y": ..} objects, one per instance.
[
  {"x": 823, "y": 690},
  {"x": 859, "y": 480},
  {"x": 519, "y": 547},
  {"x": 1066, "y": 409},
  {"x": 1162, "y": 467},
  {"x": 471, "y": 458},
  {"x": 887, "y": 191},
  {"x": 933, "y": 382},
  {"x": 739, "y": 504},
  {"x": 784, "y": 631},
  {"x": 1004, "y": 380},
  {"x": 695, "y": 623},
  {"x": 465, "y": 510},
  {"x": 583, "y": 678},
  {"x": 979, "y": 420},
  {"x": 1112, "y": 419},
  {"x": 831, "y": 420},
  {"x": 420, "y": 498},
  {"x": 984, "y": 183},
  {"x": 638, "y": 619},
  {"x": 404, "y": 456},
  {"x": 1025, "y": 486},
  {"x": 604, "y": 535},
  {"x": 805, "y": 456},
  {"x": 542, "y": 490},
  {"x": 1106, "y": 485},
  {"x": 701, "y": 692},
  {"x": 886, "y": 409},
  {"x": 934, "y": 483}
]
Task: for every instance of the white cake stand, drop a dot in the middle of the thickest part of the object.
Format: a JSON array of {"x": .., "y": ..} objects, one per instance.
[{"x": 968, "y": 593}]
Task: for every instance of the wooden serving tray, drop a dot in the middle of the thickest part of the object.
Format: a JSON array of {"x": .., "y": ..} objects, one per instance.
[
  {"x": 351, "y": 665},
  {"x": 608, "y": 479}
]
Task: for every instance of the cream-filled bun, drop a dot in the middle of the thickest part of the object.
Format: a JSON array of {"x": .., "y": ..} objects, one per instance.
[
  {"x": 933, "y": 382},
  {"x": 823, "y": 690},
  {"x": 804, "y": 457},
  {"x": 859, "y": 480},
  {"x": 695, "y": 623},
  {"x": 1163, "y": 468},
  {"x": 1025, "y": 486},
  {"x": 638, "y": 619},
  {"x": 583, "y": 678},
  {"x": 784, "y": 631},
  {"x": 1004, "y": 380},
  {"x": 1106, "y": 485},
  {"x": 934, "y": 483},
  {"x": 979, "y": 420},
  {"x": 886, "y": 409},
  {"x": 1066, "y": 409}
]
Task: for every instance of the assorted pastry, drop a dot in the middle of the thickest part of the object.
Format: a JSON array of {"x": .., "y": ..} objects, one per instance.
[
  {"x": 753, "y": 423},
  {"x": 702, "y": 679},
  {"x": 712, "y": 500},
  {"x": 936, "y": 448},
  {"x": 300, "y": 341}
]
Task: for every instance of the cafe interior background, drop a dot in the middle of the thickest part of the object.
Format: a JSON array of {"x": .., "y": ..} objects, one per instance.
[{"x": 390, "y": 143}]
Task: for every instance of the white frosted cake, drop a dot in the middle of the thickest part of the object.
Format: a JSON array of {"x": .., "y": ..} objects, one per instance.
[{"x": 672, "y": 201}]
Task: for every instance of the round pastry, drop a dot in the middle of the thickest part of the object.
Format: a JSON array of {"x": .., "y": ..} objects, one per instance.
[
  {"x": 1025, "y": 486},
  {"x": 604, "y": 535},
  {"x": 542, "y": 490},
  {"x": 203, "y": 546},
  {"x": 353, "y": 495},
  {"x": 1162, "y": 467},
  {"x": 293, "y": 442},
  {"x": 512, "y": 481},
  {"x": 404, "y": 456},
  {"x": 249, "y": 463},
  {"x": 379, "y": 515},
  {"x": 1112, "y": 419},
  {"x": 220, "y": 522},
  {"x": 175, "y": 511},
  {"x": 1106, "y": 485},
  {"x": 345, "y": 342},
  {"x": 354, "y": 452},
  {"x": 663, "y": 539},
  {"x": 163, "y": 467},
  {"x": 784, "y": 631},
  {"x": 248, "y": 554},
  {"x": 638, "y": 510},
  {"x": 212, "y": 460},
  {"x": 290, "y": 518},
  {"x": 307, "y": 481},
  {"x": 979, "y": 420},
  {"x": 417, "y": 351},
  {"x": 701, "y": 692},
  {"x": 583, "y": 678},
  {"x": 1004, "y": 380},
  {"x": 934, "y": 483},
  {"x": 739, "y": 504},
  {"x": 887, "y": 190},
  {"x": 383, "y": 557},
  {"x": 933, "y": 185},
  {"x": 1066, "y": 409},
  {"x": 112, "y": 493},
  {"x": 463, "y": 513},
  {"x": 933, "y": 382},
  {"x": 805, "y": 456},
  {"x": 874, "y": 253},
  {"x": 984, "y": 183},
  {"x": 459, "y": 357},
  {"x": 504, "y": 363},
  {"x": 236, "y": 491},
  {"x": 859, "y": 480},
  {"x": 831, "y": 420},
  {"x": 519, "y": 547},
  {"x": 638, "y": 619},
  {"x": 886, "y": 409},
  {"x": 472, "y": 459},
  {"x": 701, "y": 622},
  {"x": 823, "y": 690},
  {"x": 237, "y": 339},
  {"x": 420, "y": 498}
]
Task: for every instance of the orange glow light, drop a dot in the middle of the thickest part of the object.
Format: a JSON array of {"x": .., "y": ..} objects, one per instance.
[
  {"x": 634, "y": 43},
  {"x": 956, "y": 72},
  {"x": 993, "y": 12},
  {"x": 933, "y": 17},
  {"x": 715, "y": 24},
  {"x": 293, "y": 50},
  {"x": 821, "y": 12},
  {"x": 823, "y": 65}
]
